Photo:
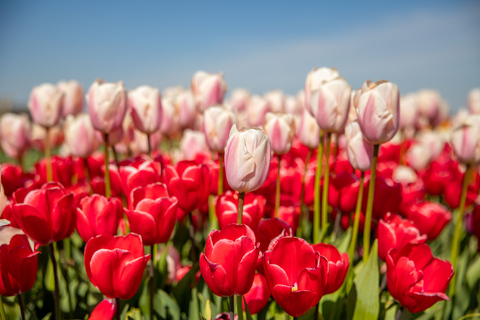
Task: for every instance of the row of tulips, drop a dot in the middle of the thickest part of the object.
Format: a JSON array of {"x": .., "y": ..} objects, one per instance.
[{"x": 232, "y": 209}]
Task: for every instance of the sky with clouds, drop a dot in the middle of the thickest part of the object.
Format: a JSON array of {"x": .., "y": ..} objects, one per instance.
[{"x": 258, "y": 45}]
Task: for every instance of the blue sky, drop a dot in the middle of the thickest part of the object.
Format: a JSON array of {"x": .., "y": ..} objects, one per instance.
[{"x": 259, "y": 45}]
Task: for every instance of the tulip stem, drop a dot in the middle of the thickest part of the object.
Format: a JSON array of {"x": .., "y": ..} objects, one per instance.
[
  {"x": 117, "y": 302},
  {"x": 48, "y": 156},
  {"x": 458, "y": 229},
  {"x": 194, "y": 255},
  {"x": 149, "y": 146},
  {"x": 20, "y": 304},
  {"x": 356, "y": 223},
  {"x": 240, "y": 307},
  {"x": 241, "y": 198},
  {"x": 2, "y": 310},
  {"x": 88, "y": 175},
  {"x": 232, "y": 307},
  {"x": 107, "y": 171},
  {"x": 316, "y": 204},
  {"x": 67, "y": 277},
  {"x": 152, "y": 279},
  {"x": 220, "y": 174},
  {"x": 326, "y": 178},
  {"x": 55, "y": 277},
  {"x": 368, "y": 214},
  {"x": 302, "y": 193},
  {"x": 277, "y": 192},
  {"x": 115, "y": 157},
  {"x": 20, "y": 161}
]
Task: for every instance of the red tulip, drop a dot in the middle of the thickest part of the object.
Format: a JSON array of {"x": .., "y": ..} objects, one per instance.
[
  {"x": 388, "y": 196},
  {"x": 429, "y": 217},
  {"x": 227, "y": 209},
  {"x": 475, "y": 223},
  {"x": 395, "y": 232},
  {"x": 146, "y": 173},
  {"x": 228, "y": 265},
  {"x": 189, "y": 182},
  {"x": 343, "y": 192},
  {"x": 152, "y": 191},
  {"x": 338, "y": 264},
  {"x": 97, "y": 216},
  {"x": 440, "y": 174},
  {"x": 18, "y": 265},
  {"x": 63, "y": 169},
  {"x": 13, "y": 178},
  {"x": 270, "y": 229},
  {"x": 47, "y": 214},
  {"x": 415, "y": 278},
  {"x": 295, "y": 275},
  {"x": 257, "y": 297},
  {"x": 105, "y": 310},
  {"x": 115, "y": 265}
]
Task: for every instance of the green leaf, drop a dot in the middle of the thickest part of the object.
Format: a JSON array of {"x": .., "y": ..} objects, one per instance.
[
  {"x": 182, "y": 292},
  {"x": 247, "y": 311},
  {"x": 473, "y": 274},
  {"x": 367, "y": 305}
]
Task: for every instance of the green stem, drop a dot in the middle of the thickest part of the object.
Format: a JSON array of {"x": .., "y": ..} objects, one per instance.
[
  {"x": 2, "y": 310},
  {"x": 48, "y": 155},
  {"x": 220, "y": 173},
  {"x": 232, "y": 307},
  {"x": 302, "y": 193},
  {"x": 55, "y": 276},
  {"x": 356, "y": 223},
  {"x": 107, "y": 171},
  {"x": 20, "y": 304},
  {"x": 240, "y": 307},
  {"x": 152, "y": 279},
  {"x": 212, "y": 217},
  {"x": 326, "y": 178},
  {"x": 277, "y": 191},
  {"x": 241, "y": 198},
  {"x": 316, "y": 204},
  {"x": 368, "y": 214},
  {"x": 149, "y": 146},
  {"x": 67, "y": 277},
  {"x": 458, "y": 229}
]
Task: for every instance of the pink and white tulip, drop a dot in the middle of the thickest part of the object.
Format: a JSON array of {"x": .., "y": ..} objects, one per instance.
[
  {"x": 80, "y": 136},
  {"x": 15, "y": 134},
  {"x": 280, "y": 129},
  {"x": 73, "y": 100},
  {"x": 308, "y": 130},
  {"x": 466, "y": 140},
  {"x": 208, "y": 89},
  {"x": 473, "y": 101},
  {"x": 359, "y": 151},
  {"x": 317, "y": 77},
  {"x": 45, "y": 105},
  {"x": 257, "y": 108},
  {"x": 193, "y": 143},
  {"x": 239, "y": 99},
  {"x": 217, "y": 122},
  {"x": 185, "y": 108},
  {"x": 276, "y": 100},
  {"x": 146, "y": 109}
]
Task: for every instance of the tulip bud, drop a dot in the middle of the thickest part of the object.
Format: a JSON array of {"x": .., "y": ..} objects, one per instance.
[
  {"x": 208, "y": 89},
  {"x": 317, "y": 77},
  {"x": 408, "y": 111},
  {"x": 146, "y": 108},
  {"x": 239, "y": 99},
  {"x": 107, "y": 104},
  {"x": 276, "y": 100},
  {"x": 193, "y": 143},
  {"x": 169, "y": 124},
  {"x": 473, "y": 101},
  {"x": 257, "y": 108},
  {"x": 45, "y": 105},
  {"x": 73, "y": 97},
  {"x": 293, "y": 105},
  {"x": 329, "y": 104},
  {"x": 466, "y": 140},
  {"x": 280, "y": 129},
  {"x": 217, "y": 123},
  {"x": 359, "y": 151},
  {"x": 431, "y": 107},
  {"x": 247, "y": 159},
  {"x": 139, "y": 143},
  {"x": 185, "y": 108},
  {"x": 15, "y": 134},
  {"x": 308, "y": 130},
  {"x": 80, "y": 136},
  {"x": 377, "y": 111}
]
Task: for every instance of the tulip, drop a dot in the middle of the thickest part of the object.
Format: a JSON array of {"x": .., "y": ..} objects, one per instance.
[
  {"x": 257, "y": 108},
  {"x": 192, "y": 144},
  {"x": 45, "y": 105},
  {"x": 227, "y": 209},
  {"x": 185, "y": 107},
  {"x": 217, "y": 123},
  {"x": 170, "y": 117},
  {"x": 208, "y": 89},
  {"x": 97, "y": 216},
  {"x": 415, "y": 278},
  {"x": 395, "y": 233},
  {"x": 115, "y": 265},
  {"x": 295, "y": 275},
  {"x": 239, "y": 99},
  {"x": 429, "y": 217},
  {"x": 308, "y": 130},
  {"x": 15, "y": 134},
  {"x": 473, "y": 101},
  {"x": 276, "y": 101},
  {"x": 228, "y": 265},
  {"x": 316, "y": 78},
  {"x": 419, "y": 157},
  {"x": 337, "y": 269},
  {"x": 280, "y": 129},
  {"x": 105, "y": 310},
  {"x": 408, "y": 111},
  {"x": 294, "y": 106},
  {"x": 144, "y": 144},
  {"x": 146, "y": 108},
  {"x": 257, "y": 297},
  {"x": 359, "y": 151},
  {"x": 73, "y": 97},
  {"x": 466, "y": 140},
  {"x": 430, "y": 107},
  {"x": 131, "y": 177},
  {"x": 475, "y": 224},
  {"x": 80, "y": 136}
]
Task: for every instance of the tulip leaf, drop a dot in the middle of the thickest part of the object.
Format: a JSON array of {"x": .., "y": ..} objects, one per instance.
[
  {"x": 473, "y": 273},
  {"x": 247, "y": 311},
  {"x": 367, "y": 305},
  {"x": 462, "y": 299}
]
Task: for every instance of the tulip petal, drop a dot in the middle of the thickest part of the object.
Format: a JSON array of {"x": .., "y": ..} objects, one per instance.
[
  {"x": 105, "y": 310},
  {"x": 295, "y": 303}
]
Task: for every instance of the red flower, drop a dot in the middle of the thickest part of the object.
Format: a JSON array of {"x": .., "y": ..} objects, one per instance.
[
  {"x": 387, "y": 197},
  {"x": 115, "y": 265},
  {"x": 13, "y": 178},
  {"x": 343, "y": 192},
  {"x": 97, "y": 216},
  {"x": 415, "y": 278},
  {"x": 257, "y": 297},
  {"x": 270, "y": 229},
  {"x": 18, "y": 266},
  {"x": 228, "y": 265},
  {"x": 429, "y": 217},
  {"x": 475, "y": 223},
  {"x": 189, "y": 182},
  {"x": 395, "y": 232},
  {"x": 105, "y": 310},
  {"x": 147, "y": 172},
  {"x": 63, "y": 169},
  {"x": 227, "y": 209},
  {"x": 295, "y": 275},
  {"x": 47, "y": 214},
  {"x": 338, "y": 264}
]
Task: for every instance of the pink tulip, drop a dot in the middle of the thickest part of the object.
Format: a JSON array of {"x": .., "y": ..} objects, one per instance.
[
  {"x": 317, "y": 77},
  {"x": 107, "y": 104},
  {"x": 239, "y": 99},
  {"x": 419, "y": 157},
  {"x": 45, "y": 105},
  {"x": 73, "y": 97},
  {"x": 139, "y": 143},
  {"x": 193, "y": 143},
  {"x": 280, "y": 129},
  {"x": 217, "y": 123},
  {"x": 146, "y": 108},
  {"x": 247, "y": 159},
  {"x": 359, "y": 151},
  {"x": 466, "y": 140},
  {"x": 408, "y": 111},
  {"x": 257, "y": 108},
  {"x": 308, "y": 130},
  {"x": 15, "y": 134},
  {"x": 473, "y": 101},
  {"x": 80, "y": 136},
  {"x": 431, "y": 107},
  {"x": 276, "y": 100},
  {"x": 377, "y": 111},
  {"x": 185, "y": 108},
  {"x": 169, "y": 124},
  {"x": 208, "y": 89},
  {"x": 329, "y": 104}
]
